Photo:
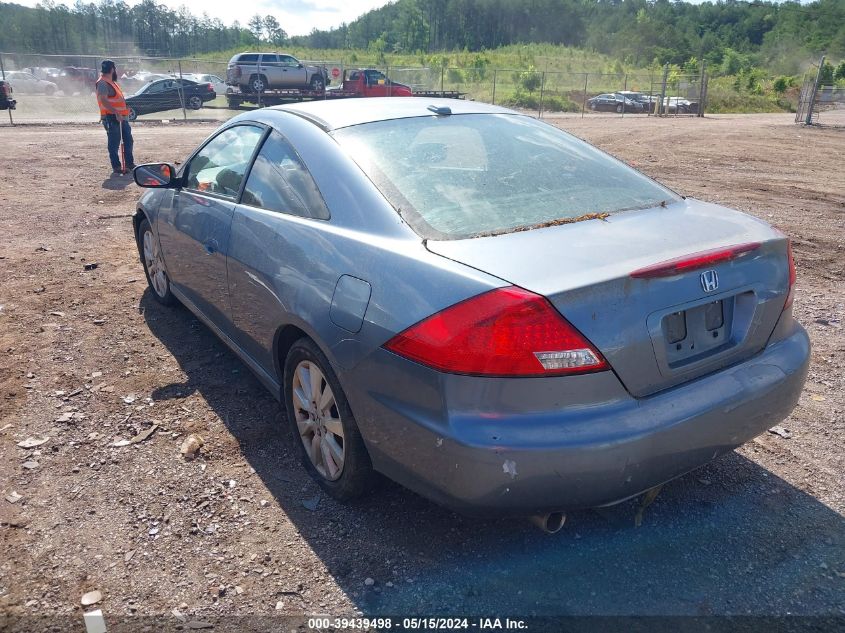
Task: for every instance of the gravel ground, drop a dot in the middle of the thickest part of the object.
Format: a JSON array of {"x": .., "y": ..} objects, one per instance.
[{"x": 87, "y": 358}]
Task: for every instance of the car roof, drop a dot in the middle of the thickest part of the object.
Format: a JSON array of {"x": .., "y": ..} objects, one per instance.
[{"x": 331, "y": 114}]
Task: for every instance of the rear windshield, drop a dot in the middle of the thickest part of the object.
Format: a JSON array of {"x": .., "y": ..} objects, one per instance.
[{"x": 459, "y": 176}]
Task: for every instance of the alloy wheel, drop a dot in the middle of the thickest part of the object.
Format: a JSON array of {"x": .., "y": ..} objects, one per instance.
[
  {"x": 318, "y": 420},
  {"x": 154, "y": 264}
]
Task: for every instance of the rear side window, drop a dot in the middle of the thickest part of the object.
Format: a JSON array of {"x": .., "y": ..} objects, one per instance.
[
  {"x": 248, "y": 59},
  {"x": 279, "y": 181},
  {"x": 220, "y": 165},
  {"x": 468, "y": 175}
]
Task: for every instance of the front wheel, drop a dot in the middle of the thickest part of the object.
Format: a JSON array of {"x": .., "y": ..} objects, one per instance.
[
  {"x": 132, "y": 114},
  {"x": 593, "y": 107},
  {"x": 195, "y": 102},
  {"x": 154, "y": 264},
  {"x": 619, "y": 108},
  {"x": 319, "y": 416}
]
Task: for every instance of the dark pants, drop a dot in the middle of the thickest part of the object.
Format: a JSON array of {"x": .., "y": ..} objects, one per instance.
[{"x": 113, "y": 126}]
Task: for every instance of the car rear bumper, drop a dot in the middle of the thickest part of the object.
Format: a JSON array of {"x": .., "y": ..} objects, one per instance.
[{"x": 586, "y": 454}]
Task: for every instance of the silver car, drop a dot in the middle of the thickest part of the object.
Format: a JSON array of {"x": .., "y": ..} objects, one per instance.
[
  {"x": 257, "y": 72},
  {"x": 474, "y": 303},
  {"x": 28, "y": 84}
]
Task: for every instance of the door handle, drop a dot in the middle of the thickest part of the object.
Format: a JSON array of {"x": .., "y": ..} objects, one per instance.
[{"x": 211, "y": 246}]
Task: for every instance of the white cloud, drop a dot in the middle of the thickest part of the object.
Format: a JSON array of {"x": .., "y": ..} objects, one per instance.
[{"x": 297, "y": 17}]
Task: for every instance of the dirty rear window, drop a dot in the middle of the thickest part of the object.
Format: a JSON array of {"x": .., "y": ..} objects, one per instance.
[{"x": 460, "y": 176}]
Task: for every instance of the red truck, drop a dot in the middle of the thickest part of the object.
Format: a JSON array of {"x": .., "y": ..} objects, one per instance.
[
  {"x": 373, "y": 83},
  {"x": 363, "y": 82}
]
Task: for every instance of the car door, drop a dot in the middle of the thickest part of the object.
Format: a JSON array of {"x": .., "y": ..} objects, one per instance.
[
  {"x": 150, "y": 99},
  {"x": 295, "y": 75},
  {"x": 279, "y": 260},
  {"x": 194, "y": 227},
  {"x": 271, "y": 69}
]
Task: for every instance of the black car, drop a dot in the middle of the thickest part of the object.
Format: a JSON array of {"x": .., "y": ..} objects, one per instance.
[
  {"x": 169, "y": 94},
  {"x": 614, "y": 102},
  {"x": 6, "y": 101}
]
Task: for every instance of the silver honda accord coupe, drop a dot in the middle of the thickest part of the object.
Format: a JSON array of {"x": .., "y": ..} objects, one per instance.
[{"x": 478, "y": 305}]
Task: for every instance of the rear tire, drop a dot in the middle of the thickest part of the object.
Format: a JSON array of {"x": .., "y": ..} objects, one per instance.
[
  {"x": 619, "y": 108},
  {"x": 593, "y": 107},
  {"x": 258, "y": 83},
  {"x": 132, "y": 114},
  {"x": 319, "y": 415},
  {"x": 195, "y": 102},
  {"x": 318, "y": 84}
]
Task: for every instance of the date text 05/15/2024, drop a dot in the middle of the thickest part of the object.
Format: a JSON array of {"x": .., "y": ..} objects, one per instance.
[{"x": 418, "y": 623}]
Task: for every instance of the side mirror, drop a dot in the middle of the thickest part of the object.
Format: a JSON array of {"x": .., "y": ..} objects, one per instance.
[
  {"x": 155, "y": 176},
  {"x": 300, "y": 65}
]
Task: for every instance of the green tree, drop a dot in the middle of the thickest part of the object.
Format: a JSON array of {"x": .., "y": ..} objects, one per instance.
[
  {"x": 840, "y": 71},
  {"x": 256, "y": 27}
]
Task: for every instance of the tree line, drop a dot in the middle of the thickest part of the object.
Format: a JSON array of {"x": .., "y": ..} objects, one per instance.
[
  {"x": 730, "y": 34},
  {"x": 639, "y": 32},
  {"x": 113, "y": 27}
]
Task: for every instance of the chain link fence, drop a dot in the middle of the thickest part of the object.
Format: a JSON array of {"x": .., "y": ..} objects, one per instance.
[
  {"x": 60, "y": 88},
  {"x": 820, "y": 104}
]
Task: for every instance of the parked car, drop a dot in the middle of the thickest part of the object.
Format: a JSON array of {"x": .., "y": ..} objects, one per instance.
[
  {"x": 27, "y": 84},
  {"x": 646, "y": 100},
  {"x": 614, "y": 102},
  {"x": 475, "y": 303},
  {"x": 216, "y": 82},
  {"x": 257, "y": 72},
  {"x": 369, "y": 82},
  {"x": 134, "y": 83},
  {"x": 679, "y": 105},
  {"x": 169, "y": 94},
  {"x": 73, "y": 80},
  {"x": 6, "y": 101},
  {"x": 43, "y": 72}
]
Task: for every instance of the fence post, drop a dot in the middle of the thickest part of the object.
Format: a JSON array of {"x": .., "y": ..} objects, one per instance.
[
  {"x": 387, "y": 78},
  {"x": 182, "y": 91},
  {"x": 542, "y": 89},
  {"x": 662, "y": 110},
  {"x": 650, "y": 92},
  {"x": 442, "y": 74},
  {"x": 624, "y": 98},
  {"x": 814, "y": 92},
  {"x": 584, "y": 100},
  {"x": 3, "y": 75},
  {"x": 701, "y": 90},
  {"x": 495, "y": 71}
]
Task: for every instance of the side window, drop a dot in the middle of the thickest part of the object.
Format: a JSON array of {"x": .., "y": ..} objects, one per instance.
[
  {"x": 287, "y": 60},
  {"x": 269, "y": 60},
  {"x": 280, "y": 182},
  {"x": 249, "y": 58},
  {"x": 219, "y": 167}
]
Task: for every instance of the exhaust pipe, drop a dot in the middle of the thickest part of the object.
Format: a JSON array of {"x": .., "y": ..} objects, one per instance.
[{"x": 550, "y": 522}]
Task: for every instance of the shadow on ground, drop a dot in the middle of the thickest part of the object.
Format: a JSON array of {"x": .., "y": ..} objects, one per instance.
[
  {"x": 117, "y": 182},
  {"x": 731, "y": 538}
]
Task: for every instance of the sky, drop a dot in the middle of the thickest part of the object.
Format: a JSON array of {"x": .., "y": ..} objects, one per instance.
[{"x": 297, "y": 17}]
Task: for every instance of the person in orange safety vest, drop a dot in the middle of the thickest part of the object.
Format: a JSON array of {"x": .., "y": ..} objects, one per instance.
[{"x": 114, "y": 115}]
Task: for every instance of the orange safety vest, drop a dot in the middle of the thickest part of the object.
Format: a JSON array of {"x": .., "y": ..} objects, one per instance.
[{"x": 117, "y": 102}]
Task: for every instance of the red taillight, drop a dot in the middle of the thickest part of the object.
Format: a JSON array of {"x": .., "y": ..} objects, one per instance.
[
  {"x": 702, "y": 259},
  {"x": 210, "y": 87},
  {"x": 503, "y": 332},
  {"x": 792, "y": 275}
]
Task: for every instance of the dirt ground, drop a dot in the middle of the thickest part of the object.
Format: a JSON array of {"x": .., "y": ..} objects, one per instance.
[{"x": 88, "y": 358}]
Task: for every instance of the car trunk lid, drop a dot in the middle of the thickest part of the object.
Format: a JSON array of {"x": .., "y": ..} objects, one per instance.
[{"x": 659, "y": 330}]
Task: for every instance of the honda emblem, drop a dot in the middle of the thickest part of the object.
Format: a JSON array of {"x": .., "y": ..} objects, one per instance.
[{"x": 709, "y": 280}]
